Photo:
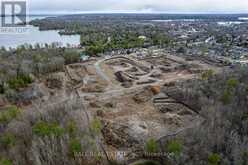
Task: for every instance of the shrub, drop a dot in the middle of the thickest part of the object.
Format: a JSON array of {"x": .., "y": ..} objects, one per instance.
[
  {"x": 20, "y": 81},
  {"x": 96, "y": 126},
  {"x": 148, "y": 162},
  {"x": 11, "y": 95},
  {"x": 9, "y": 114},
  {"x": 226, "y": 97},
  {"x": 175, "y": 147},
  {"x": 72, "y": 128},
  {"x": 75, "y": 146},
  {"x": 8, "y": 140},
  {"x": 151, "y": 146},
  {"x": 4, "y": 161},
  {"x": 207, "y": 74},
  {"x": 244, "y": 158},
  {"x": 232, "y": 83},
  {"x": 228, "y": 93},
  {"x": 47, "y": 129},
  {"x": 214, "y": 159}
]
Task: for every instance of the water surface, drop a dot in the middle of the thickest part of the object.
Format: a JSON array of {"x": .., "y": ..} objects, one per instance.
[{"x": 34, "y": 36}]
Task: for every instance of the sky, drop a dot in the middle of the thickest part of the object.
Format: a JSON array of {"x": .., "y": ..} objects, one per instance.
[{"x": 139, "y": 6}]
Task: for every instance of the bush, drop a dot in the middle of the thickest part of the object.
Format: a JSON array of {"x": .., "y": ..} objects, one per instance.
[
  {"x": 228, "y": 92},
  {"x": 175, "y": 147},
  {"x": 11, "y": 95},
  {"x": 47, "y": 129},
  {"x": 207, "y": 74},
  {"x": 227, "y": 96},
  {"x": 20, "y": 81},
  {"x": 96, "y": 126},
  {"x": 75, "y": 146},
  {"x": 72, "y": 128},
  {"x": 9, "y": 114},
  {"x": 214, "y": 159},
  {"x": 4, "y": 161},
  {"x": 148, "y": 162},
  {"x": 232, "y": 83},
  {"x": 8, "y": 140},
  {"x": 71, "y": 57},
  {"x": 151, "y": 146}
]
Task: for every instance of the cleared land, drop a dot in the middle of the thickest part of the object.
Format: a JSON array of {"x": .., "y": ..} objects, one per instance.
[{"x": 124, "y": 92}]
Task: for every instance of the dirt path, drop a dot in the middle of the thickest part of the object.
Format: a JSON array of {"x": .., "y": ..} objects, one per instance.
[{"x": 99, "y": 70}]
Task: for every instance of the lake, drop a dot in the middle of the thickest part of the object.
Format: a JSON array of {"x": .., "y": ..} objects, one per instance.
[{"x": 33, "y": 36}]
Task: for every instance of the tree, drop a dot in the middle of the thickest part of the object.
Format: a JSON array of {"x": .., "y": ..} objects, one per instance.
[{"x": 71, "y": 57}]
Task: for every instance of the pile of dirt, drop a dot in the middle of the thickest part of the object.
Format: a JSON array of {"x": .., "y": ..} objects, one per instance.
[
  {"x": 93, "y": 88},
  {"x": 95, "y": 104},
  {"x": 143, "y": 96},
  {"x": 101, "y": 104},
  {"x": 117, "y": 135},
  {"x": 125, "y": 79},
  {"x": 121, "y": 77},
  {"x": 54, "y": 82},
  {"x": 110, "y": 104},
  {"x": 127, "y": 84},
  {"x": 155, "y": 89}
]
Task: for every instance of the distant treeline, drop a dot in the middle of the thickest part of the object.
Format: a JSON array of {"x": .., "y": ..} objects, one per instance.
[{"x": 145, "y": 17}]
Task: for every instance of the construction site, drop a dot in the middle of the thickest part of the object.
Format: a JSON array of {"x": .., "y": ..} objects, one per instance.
[{"x": 128, "y": 95}]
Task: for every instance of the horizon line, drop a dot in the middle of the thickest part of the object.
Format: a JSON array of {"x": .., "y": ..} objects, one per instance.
[
  {"x": 73, "y": 12},
  {"x": 168, "y": 13},
  {"x": 113, "y": 12}
]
